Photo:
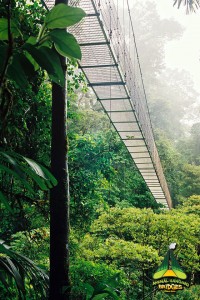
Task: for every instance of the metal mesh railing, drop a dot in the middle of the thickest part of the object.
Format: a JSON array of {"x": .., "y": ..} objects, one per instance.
[{"x": 114, "y": 73}]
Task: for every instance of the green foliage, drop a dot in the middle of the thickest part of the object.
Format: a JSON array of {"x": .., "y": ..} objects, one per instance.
[
  {"x": 62, "y": 16},
  {"x": 190, "y": 145},
  {"x": 26, "y": 54},
  {"x": 18, "y": 271},
  {"x": 65, "y": 43},
  {"x": 135, "y": 241},
  {"x": 191, "y": 205},
  {"x": 4, "y": 29},
  {"x": 101, "y": 291},
  {"x": 102, "y": 174},
  {"x": 20, "y": 168},
  {"x": 124, "y": 246},
  {"x": 34, "y": 244},
  {"x": 188, "y": 294},
  {"x": 92, "y": 277},
  {"x": 39, "y": 51},
  {"x": 191, "y": 180}
]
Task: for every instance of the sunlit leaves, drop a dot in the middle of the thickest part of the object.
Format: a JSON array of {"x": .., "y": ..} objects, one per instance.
[
  {"x": 65, "y": 43},
  {"x": 62, "y": 16},
  {"x": 133, "y": 236},
  {"x": 42, "y": 52}
]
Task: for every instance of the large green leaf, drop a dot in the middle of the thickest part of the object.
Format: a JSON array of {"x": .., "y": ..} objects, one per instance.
[
  {"x": 16, "y": 176},
  {"x": 89, "y": 291},
  {"x": 26, "y": 65},
  {"x": 20, "y": 270},
  {"x": 4, "y": 29},
  {"x": 111, "y": 292},
  {"x": 58, "y": 75},
  {"x": 37, "y": 168},
  {"x": 34, "y": 176},
  {"x": 49, "y": 176},
  {"x": 19, "y": 167},
  {"x": 65, "y": 43},
  {"x": 47, "y": 59},
  {"x": 62, "y": 16},
  {"x": 15, "y": 273},
  {"x": 39, "y": 56}
]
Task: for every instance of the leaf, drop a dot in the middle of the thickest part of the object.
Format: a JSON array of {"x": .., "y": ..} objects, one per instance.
[
  {"x": 31, "y": 40},
  {"x": 58, "y": 76},
  {"x": 111, "y": 293},
  {"x": 26, "y": 65},
  {"x": 23, "y": 271},
  {"x": 13, "y": 162},
  {"x": 2, "y": 279},
  {"x": 40, "y": 181},
  {"x": 16, "y": 72},
  {"x": 32, "y": 60},
  {"x": 65, "y": 43},
  {"x": 4, "y": 29},
  {"x": 36, "y": 168},
  {"x": 15, "y": 174},
  {"x": 62, "y": 16},
  {"x": 89, "y": 291},
  {"x": 39, "y": 56},
  {"x": 41, "y": 175},
  {"x": 48, "y": 60},
  {"x": 16, "y": 275},
  {"x": 49, "y": 176}
]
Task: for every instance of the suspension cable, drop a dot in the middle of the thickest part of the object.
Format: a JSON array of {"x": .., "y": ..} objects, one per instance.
[
  {"x": 137, "y": 54},
  {"x": 110, "y": 104}
]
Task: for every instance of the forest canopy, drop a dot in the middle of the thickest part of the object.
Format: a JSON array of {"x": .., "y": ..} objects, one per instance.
[{"x": 119, "y": 234}]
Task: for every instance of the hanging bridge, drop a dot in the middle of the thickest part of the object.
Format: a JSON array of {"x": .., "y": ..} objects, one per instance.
[{"x": 111, "y": 65}]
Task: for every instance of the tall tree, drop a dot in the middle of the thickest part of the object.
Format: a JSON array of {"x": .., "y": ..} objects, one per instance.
[
  {"x": 35, "y": 54},
  {"x": 59, "y": 197}
]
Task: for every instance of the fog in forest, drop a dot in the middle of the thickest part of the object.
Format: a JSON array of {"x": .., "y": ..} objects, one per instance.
[{"x": 169, "y": 52}]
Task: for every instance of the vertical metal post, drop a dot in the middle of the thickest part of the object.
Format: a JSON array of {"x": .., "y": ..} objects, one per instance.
[{"x": 59, "y": 195}]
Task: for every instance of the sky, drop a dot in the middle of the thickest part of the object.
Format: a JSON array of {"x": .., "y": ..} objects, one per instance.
[{"x": 183, "y": 53}]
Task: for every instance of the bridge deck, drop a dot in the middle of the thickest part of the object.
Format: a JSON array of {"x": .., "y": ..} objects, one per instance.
[{"x": 114, "y": 75}]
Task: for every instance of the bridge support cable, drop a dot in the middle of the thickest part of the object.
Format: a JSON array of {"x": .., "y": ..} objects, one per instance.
[{"x": 110, "y": 70}]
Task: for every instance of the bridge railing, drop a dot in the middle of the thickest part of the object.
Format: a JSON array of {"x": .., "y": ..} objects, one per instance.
[
  {"x": 132, "y": 76},
  {"x": 110, "y": 63}
]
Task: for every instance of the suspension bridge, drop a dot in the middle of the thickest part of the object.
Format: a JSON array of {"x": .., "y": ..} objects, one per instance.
[{"x": 110, "y": 62}]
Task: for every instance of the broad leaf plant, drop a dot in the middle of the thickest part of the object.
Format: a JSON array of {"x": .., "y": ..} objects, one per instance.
[{"x": 21, "y": 57}]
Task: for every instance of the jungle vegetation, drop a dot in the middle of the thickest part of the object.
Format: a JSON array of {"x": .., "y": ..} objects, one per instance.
[{"x": 118, "y": 233}]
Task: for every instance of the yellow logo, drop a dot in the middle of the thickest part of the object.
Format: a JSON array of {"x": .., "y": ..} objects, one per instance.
[{"x": 169, "y": 276}]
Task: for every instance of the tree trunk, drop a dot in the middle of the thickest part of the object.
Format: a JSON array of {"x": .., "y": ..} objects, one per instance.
[{"x": 59, "y": 195}]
